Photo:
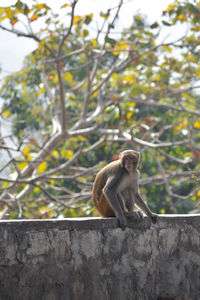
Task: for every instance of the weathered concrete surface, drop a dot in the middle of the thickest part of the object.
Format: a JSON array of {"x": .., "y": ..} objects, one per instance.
[{"x": 93, "y": 259}]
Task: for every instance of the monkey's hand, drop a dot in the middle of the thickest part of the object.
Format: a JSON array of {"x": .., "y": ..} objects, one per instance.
[
  {"x": 154, "y": 218},
  {"x": 122, "y": 221}
]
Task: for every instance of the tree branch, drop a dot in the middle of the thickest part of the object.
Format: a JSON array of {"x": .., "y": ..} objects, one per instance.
[
  {"x": 150, "y": 102},
  {"x": 69, "y": 30}
]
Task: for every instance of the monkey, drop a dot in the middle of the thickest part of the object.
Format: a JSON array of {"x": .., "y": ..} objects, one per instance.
[{"x": 115, "y": 190}]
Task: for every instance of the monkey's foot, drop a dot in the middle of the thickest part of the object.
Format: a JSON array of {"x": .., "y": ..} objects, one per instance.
[{"x": 154, "y": 218}]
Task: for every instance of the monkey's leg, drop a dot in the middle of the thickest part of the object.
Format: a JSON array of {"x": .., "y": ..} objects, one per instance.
[
  {"x": 111, "y": 196},
  {"x": 104, "y": 207},
  {"x": 129, "y": 196}
]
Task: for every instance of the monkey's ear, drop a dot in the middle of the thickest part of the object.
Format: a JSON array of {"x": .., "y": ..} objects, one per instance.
[
  {"x": 138, "y": 158},
  {"x": 138, "y": 155}
]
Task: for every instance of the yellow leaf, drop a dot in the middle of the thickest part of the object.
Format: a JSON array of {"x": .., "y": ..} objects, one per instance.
[
  {"x": 29, "y": 157},
  {"x": 41, "y": 91},
  {"x": 77, "y": 19},
  {"x": 6, "y": 184},
  {"x": 52, "y": 181},
  {"x": 36, "y": 189},
  {"x": 185, "y": 95},
  {"x": 120, "y": 47},
  {"x": 21, "y": 165},
  {"x": 198, "y": 72},
  {"x": 114, "y": 79},
  {"x": 26, "y": 150},
  {"x": 94, "y": 42},
  {"x": 67, "y": 76},
  {"x": 168, "y": 48},
  {"x": 82, "y": 138},
  {"x": 155, "y": 78},
  {"x": 55, "y": 78},
  {"x": 197, "y": 124},
  {"x": 64, "y": 5},
  {"x": 55, "y": 153},
  {"x": 26, "y": 153},
  {"x": 190, "y": 58},
  {"x": 198, "y": 193},
  {"x": 183, "y": 124},
  {"x": 40, "y": 6},
  {"x": 6, "y": 113},
  {"x": 129, "y": 114},
  {"x": 128, "y": 78},
  {"x": 94, "y": 94},
  {"x": 182, "y": 17},
  {"x": 67, "y": 153},
  {"x": 171, "y": 7},
  {"x": 42, "y": 167},
  {"x": 196, "y": 29},
  {"x": 162, "y": 211}
]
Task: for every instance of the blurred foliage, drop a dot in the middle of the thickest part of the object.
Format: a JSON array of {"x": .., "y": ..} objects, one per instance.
[{"x": 165, "y": 73}]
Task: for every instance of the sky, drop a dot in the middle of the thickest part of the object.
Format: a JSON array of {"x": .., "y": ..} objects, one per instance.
[{"x": 13, "y": 49}]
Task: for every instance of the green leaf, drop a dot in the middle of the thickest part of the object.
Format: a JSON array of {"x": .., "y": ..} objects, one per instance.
[
  {"x": 136, "y": 91},
  {"x": 154, "y": 25},
  {"x": 88, "y": 19},
  {"x": 166, "y": 23},
  {"x": 109, "y": 40},
  {"x": 85, "y": 32},
  {"x": 105, "y": 15}
]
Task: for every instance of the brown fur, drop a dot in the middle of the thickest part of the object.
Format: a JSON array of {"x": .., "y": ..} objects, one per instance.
[
  {"x": 113, "y": 168},
  {"x": 98, "y": 197},
  {"x": 116, "y": 191}
]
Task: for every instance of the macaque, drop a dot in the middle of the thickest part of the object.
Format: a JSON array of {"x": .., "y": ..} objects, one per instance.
[{"x": 116, "y": 191}]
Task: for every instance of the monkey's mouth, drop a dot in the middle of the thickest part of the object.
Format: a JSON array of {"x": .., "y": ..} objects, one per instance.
[{"x": 129, "y": 166}]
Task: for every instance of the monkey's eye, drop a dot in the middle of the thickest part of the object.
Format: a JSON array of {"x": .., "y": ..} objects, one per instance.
[{"x": 132, "y": 158}]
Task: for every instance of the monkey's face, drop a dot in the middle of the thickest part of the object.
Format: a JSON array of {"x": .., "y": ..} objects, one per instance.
[
  {"x": 129, "y": 159},
  {"x": 130, "y": 162}
]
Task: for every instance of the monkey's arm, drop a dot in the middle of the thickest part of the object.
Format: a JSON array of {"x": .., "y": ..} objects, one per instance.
[
  {"x": 110, "y": 192},
  {"x": 140, "y": 202}
]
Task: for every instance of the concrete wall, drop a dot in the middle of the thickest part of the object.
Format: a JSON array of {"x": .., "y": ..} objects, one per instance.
[{"x": 93, "y": 259}]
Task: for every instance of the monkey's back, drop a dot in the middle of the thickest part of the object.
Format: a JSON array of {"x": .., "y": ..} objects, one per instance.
[{"x": 98, "y": 197}]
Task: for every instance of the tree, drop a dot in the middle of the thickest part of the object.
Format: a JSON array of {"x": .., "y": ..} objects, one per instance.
[{"x": 80, "y": 99}]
